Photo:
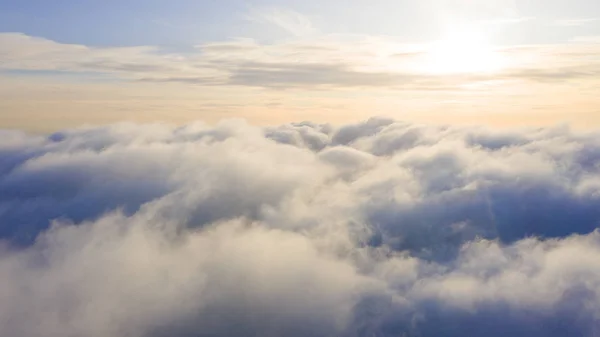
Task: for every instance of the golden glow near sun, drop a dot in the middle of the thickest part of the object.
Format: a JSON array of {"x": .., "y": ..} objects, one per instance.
[{"x": 462, "y": 52}]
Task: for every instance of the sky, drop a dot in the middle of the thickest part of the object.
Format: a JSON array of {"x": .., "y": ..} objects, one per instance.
[
  {"x": 300, "y": 168},
  {"x": 499, "y": 62}
]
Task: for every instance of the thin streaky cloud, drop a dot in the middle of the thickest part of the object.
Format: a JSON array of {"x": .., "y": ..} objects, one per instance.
[
  {"x": 300, "y": 63},
  {"x": 594, "y": 39},
  {"x": 510, "y": 21},
  {"x": 290, "y": 21},
  {"x": 576, "y": 22}
]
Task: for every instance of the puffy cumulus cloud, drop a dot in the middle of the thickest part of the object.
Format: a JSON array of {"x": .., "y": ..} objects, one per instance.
[{"x": 379, "y": 228}]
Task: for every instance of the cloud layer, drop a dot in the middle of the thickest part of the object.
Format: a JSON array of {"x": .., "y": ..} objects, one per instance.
[
  {"x": 380, "y": 228},
  {"x": 317, "y": 62}
]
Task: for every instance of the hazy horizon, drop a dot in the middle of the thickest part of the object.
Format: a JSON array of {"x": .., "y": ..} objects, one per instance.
[{"x": 495, "y": 62}]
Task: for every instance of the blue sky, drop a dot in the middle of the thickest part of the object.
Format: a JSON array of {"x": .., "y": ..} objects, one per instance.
[
  {"x": 183, "y": 22},
  {"x": 277, "y": 61},
  {"x": 119, "y": 22}
]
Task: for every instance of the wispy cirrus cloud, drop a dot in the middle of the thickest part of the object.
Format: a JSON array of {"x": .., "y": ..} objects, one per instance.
[
  {"x": 590, "y": 39},
  {"x": 288, "y": 20},
  {"x": 509, "y": 20},
  {"x": 576, "y": 22}
]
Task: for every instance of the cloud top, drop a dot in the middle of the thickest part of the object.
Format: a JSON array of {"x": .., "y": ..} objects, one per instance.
[{"x": 380, "y": 228}]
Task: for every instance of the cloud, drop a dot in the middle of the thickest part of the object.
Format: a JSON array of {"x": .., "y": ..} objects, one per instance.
[
  {"x": 575, "y": 22},
  {"x": 509, "y": 21},
  {"x": 330, "y": 62},
  {"x": 587, "y": 39},
  {"x": 470, "y": 10},
  {"x": 311, "y": 75},
  {"x": 290, "y": 21},
  {"x": 379, "y": 228},
  {"x": 565, "y": 73}
]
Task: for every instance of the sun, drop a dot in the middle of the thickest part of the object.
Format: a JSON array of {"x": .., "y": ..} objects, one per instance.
[{"x": 462, "y": 52}]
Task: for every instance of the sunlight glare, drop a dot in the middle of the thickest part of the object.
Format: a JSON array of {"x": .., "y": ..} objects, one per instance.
[{"x": 462, "y": 52}]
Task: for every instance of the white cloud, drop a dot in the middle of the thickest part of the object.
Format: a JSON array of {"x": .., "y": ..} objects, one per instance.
[
  {"x": 576, "y": 22},
  {"x": 509, "y": 21},
  {"x": 592, "y": 39},
  {"x": 290, "y": 21},
  {"x": 377, "y": 228},
  {"x": 310, "y": 63}
]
